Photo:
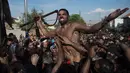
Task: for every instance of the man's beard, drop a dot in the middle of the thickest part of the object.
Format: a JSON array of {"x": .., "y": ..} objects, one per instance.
[{"x": 62, "y": 22}]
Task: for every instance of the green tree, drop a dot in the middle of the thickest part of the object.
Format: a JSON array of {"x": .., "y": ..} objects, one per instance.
[
  {"x": 76, "y": 18},
  {"x": 30, "y": 17}
]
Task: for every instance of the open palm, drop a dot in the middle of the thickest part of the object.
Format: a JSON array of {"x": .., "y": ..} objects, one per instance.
[{"x": 116, "y": 13}]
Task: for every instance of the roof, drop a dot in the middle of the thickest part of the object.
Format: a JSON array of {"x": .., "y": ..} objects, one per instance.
[{"x": 127, "y": 15}]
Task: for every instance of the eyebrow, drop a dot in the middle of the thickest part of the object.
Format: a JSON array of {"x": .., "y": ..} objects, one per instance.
[{"x": 62, "y": 14}]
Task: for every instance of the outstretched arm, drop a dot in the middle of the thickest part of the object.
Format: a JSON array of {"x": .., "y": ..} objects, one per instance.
[{"x": 100, "y": 25}]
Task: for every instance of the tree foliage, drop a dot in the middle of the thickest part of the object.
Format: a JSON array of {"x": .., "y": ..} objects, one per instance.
[
  {"x": 76, "y": 18},
  {"x": 30, "y": 17}
]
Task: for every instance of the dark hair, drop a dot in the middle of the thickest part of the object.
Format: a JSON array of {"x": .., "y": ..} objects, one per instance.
[
  {"x": 66, "y": 68},
  {"x": 26, "y": 42},
  {"x": 63, "y": 9},
  {"x": 9, "y": 39},
  {"x": 13, "y": 37},
  {"x": 17, "y": 66},
  {"x": 106, "y": 66},
  {"x": 10, "y": 34},
  {"x": 4, "y": 68},
  {"x": 42, "y": 39},
  {"x": 3, "y": 51}
]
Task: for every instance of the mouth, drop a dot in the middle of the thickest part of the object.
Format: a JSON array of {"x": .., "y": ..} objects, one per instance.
[{"x": 61, "y": 19}]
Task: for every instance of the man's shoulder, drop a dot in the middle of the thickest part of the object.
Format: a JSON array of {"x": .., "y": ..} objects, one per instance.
[{"x": 74, "y": 23}]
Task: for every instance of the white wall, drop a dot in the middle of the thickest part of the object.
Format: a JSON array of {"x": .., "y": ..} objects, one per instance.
[
  {"x": 16, "y": 31},
  {"x": 118, "y": 21}
]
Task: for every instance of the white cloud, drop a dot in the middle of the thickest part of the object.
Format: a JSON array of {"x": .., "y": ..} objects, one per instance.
[
  {"x": 100, "y": 10},
  {"x": 110, "y": 10}
]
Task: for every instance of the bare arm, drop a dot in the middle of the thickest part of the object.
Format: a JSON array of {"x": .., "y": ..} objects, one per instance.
[
  {"x": 67, "y": 42},
  {"x": 86, "y": 66},
  {"x": 89, "y": 29},
  {"x": 126, "y": 50},
  {"x": 44, "y": 31},
  {"x": 79, "y": 48},
  {"x": 100, "y": 25},
  {"x": 60, "y": 57}
]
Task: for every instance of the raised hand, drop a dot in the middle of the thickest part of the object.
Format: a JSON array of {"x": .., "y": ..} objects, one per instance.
[
  {"x": 92, "y": 51},
  {"x": 116, "y": 13},
  {"x": 34, "y": 59},
  {"x": 37, "y": 18}
]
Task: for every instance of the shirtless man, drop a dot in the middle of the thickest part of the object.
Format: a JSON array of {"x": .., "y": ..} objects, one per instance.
[{"x": 69, "y": 30}]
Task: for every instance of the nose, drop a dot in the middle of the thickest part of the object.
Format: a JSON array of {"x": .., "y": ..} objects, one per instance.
[{"x": 61, "y": 16}]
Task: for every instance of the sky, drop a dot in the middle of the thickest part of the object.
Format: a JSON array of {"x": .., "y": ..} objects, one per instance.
[{"x": 90, "y": 10}]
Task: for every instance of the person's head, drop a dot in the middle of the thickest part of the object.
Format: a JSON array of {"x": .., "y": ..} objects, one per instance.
[
  {"x": 65, "y": 68},
  {"x": 103, "y": 66},
  {"x": 9, "y": 41},
  {"x": 12, "y": 36},
  {"x": 28, "y": 43},
  {"x": 3, "y": 55},
  {"x": 63, "y": 16},
  {"x": 31, "y": 46},
  {"x": 3, "y": 51},
  {"x": 17, "y": 67},
  {"x": 4, "y": 68},
  {"x": 113, "y": 52},
  {"x": 45, "y": 42}
]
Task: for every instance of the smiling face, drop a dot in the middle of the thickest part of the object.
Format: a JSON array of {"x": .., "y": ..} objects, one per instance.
[{"x": 63, "y": 17}]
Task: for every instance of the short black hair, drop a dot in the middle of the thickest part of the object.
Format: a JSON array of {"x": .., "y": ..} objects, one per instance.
[
  {"x": 66, "y": 68},
  {"x": 63, "y": 9},
  {"x": 106, "y": 66}
]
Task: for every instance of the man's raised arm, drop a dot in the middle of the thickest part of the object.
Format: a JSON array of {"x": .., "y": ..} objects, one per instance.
[
  {"x": 44, "y": 31},
  {"x": 100, "y": 25}
]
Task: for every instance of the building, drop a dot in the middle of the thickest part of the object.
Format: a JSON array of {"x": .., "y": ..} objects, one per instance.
[
  {"x": 16, "y": 31},
  {"x": 116, "y": 22},
  {"x": 125, "y": 20}
]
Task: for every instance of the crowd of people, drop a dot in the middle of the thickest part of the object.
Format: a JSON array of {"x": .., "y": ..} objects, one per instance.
[{"x": 64, "y": 50}]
